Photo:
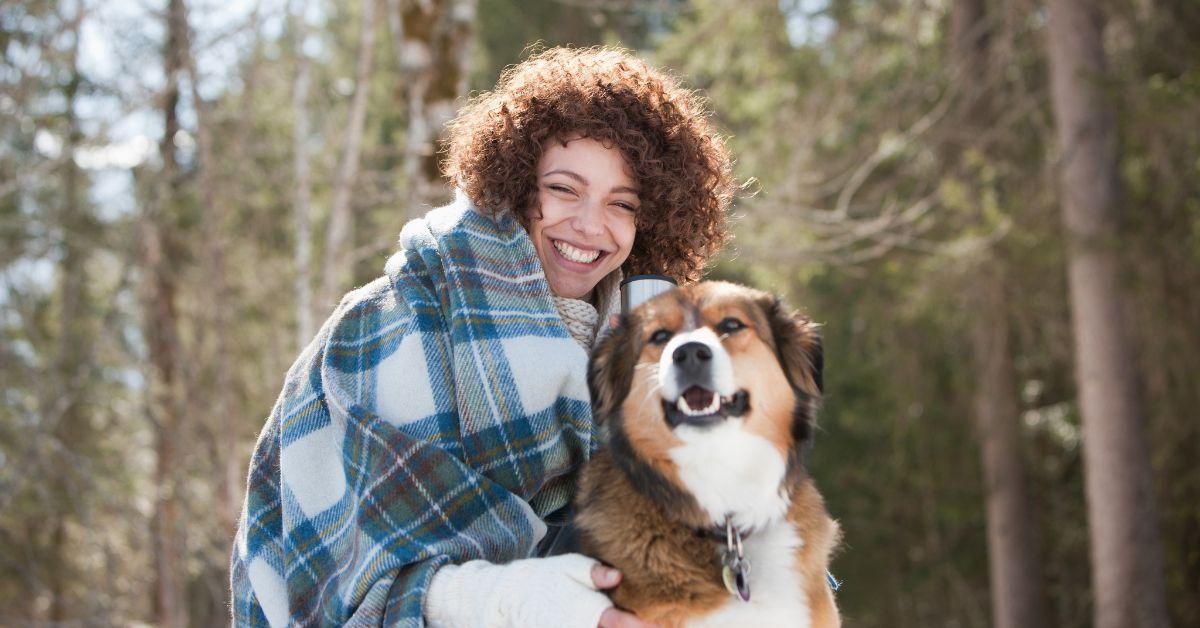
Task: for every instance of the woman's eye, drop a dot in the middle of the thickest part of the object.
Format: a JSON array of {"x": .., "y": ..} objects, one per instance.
[
  {"x": 560, "y": 188},
  {"x": 660, "y": 337},
  {"x": 729, "y": 325},
  {"x": 626, "y": 206}
]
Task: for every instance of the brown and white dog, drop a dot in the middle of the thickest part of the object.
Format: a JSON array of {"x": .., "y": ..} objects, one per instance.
[{"x": 708, "y": 393}]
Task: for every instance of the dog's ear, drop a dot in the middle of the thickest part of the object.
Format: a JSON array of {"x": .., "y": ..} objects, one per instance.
[
  {"x": 610, "y": 372},
  {"x": 798, "y": 345}
]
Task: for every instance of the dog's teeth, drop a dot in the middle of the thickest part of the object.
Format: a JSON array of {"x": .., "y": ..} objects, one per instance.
[{"x": 713, "y": 406}]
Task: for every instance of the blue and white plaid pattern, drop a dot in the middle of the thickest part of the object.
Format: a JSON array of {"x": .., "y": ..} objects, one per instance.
[{"x": 438, "y": 416}]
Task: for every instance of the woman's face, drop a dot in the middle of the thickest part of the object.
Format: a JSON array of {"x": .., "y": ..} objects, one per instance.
[{"x": 588, "y": 199}]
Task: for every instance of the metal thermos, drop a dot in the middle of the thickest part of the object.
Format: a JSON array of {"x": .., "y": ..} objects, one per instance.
[{"x": 638, "y": 289}]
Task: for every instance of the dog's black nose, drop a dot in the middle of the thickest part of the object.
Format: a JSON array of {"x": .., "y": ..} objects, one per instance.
[{"x": 691, "y": 353}]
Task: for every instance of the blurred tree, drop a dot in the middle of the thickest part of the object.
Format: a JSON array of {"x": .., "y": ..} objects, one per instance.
[
  {"x": 168, "y": 396},
  {"x": 302, "y": 210},
  {"x": 1016, "y": 581},
  {"x": 341, "y": 225},
  {"x": 1154, "y": 81},
  {"x": 507, "y": 30},
  {"x": 216, "y": 314},
  {"x": 53, "y": 384},
  {"x": 1126, "y": 559},
  {"x": 75, "y": 338},
  {"x": 433, "y": 42}
]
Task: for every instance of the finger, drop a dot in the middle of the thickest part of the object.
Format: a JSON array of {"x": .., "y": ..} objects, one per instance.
[
  {"x": 613, "y": 618},
  {"x": 614, "y": 320},
  {"x": 577, "y": 567},
  {"x": 605, "y": 577}
]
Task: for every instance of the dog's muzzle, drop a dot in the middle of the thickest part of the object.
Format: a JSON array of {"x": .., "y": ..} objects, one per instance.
[{"x": 698, "y": 404}]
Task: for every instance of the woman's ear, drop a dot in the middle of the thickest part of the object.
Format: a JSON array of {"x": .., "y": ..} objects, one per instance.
[
  {"x": 798, "y": 345},
  {"x": 610, "y": 372}
]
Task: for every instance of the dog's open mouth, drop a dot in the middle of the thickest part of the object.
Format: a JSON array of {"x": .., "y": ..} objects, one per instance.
[{"x": 701, "y": 407}]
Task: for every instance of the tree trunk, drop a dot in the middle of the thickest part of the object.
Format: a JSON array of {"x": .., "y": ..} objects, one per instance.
[
  {"x": 74, "y": 347},
  {"x": 341, "y": 225},
  {"x": 301, "y": 209},
  {"x": 166, "y": 406},
  {"x": 432, "y": 39},
  {"x": 969, "y": 43},
  {"x": 434, "y": 44},
  {"x": 220, "y": 409},
  {"x": 1126, "y": 561},
  {"x": 1016, "y": 582}
]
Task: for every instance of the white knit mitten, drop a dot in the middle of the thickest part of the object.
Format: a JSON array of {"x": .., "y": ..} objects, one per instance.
[{"x": 529, "y": 593}]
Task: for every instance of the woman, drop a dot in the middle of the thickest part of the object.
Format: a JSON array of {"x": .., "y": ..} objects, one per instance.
[{"x": 433, "y": 429}]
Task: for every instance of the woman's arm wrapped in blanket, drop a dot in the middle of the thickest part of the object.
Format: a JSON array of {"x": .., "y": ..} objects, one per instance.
[
  {"x": 405, "y": 439},
  {"x": 348, "y": 516}
]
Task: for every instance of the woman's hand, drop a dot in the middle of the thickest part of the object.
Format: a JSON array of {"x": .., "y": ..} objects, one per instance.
[
  {"x": 607, "y": 578},
  {"x": 563, "y": 591}
]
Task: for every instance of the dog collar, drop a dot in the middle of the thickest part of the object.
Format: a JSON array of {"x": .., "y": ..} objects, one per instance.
[
  {"x": 719, "y": 532},
  {"x": 735, "y": 567}
]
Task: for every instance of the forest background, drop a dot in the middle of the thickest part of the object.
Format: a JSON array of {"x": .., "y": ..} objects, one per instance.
[{"x": 993, "y": 207}]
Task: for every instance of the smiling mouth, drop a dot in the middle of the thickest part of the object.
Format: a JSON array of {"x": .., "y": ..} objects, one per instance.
[
  {"x": 700, "y": 407},
  {"x": 575, "y": 254}
]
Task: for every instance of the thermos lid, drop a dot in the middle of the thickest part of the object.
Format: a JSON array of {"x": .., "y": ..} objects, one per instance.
[
  {"x": 640, "y": 277},
  {"x": 638, "y": 289}
]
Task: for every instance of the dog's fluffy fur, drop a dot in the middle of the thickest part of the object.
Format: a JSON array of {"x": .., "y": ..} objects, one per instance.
[{"x": 648, "y": 504}]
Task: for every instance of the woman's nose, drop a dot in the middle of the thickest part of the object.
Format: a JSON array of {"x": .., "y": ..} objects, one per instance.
[{"x": 589, "y": 220}]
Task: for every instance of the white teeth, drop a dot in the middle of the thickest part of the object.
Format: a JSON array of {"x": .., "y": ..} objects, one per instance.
[
  {"x": 686, "y": 409},
  {"x": 574, "y": 254}
]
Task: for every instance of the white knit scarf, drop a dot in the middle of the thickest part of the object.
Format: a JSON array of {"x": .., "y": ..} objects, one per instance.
[{"x": 583, "y": 319}]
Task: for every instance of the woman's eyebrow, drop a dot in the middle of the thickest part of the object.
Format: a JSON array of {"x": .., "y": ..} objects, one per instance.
[{"x": 573, "y": 175}]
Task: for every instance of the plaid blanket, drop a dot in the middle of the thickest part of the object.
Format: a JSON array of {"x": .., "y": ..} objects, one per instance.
[{"x": 438, "y": 416}]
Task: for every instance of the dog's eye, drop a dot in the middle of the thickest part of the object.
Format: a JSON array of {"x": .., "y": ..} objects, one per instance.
[
  {"x": 729, "y": 325},
  {"x": 660, "y": 337}
]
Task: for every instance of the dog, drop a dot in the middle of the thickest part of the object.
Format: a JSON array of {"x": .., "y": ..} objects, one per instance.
[{"x": 708, "y": 395}]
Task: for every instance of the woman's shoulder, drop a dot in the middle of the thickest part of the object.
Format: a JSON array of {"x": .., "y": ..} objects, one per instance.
[
  {"x": 457, "y": 225},
  {"x": 470, "y": 258},
  {"x": 457, "y": 244},
  {"x": 364, "y": 321},
  {"x": 407, "y": 289}
]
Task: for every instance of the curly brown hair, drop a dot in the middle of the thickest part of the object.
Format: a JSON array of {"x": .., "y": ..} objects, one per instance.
[{"x": 681, "y": 165}]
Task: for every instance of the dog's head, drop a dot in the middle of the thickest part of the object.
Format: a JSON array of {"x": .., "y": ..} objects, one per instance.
[{"x": 709, "y": 392}]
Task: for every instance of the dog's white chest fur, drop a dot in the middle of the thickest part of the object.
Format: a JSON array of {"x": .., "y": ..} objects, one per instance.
[
  {"x": 776, "y": 592},
  {"x": 731, "y": 471}
]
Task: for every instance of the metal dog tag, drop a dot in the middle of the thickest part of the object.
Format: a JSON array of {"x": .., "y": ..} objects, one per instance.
[
  {"x": 729, "y": 579},
  {"x": 735, "y": 573}
]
